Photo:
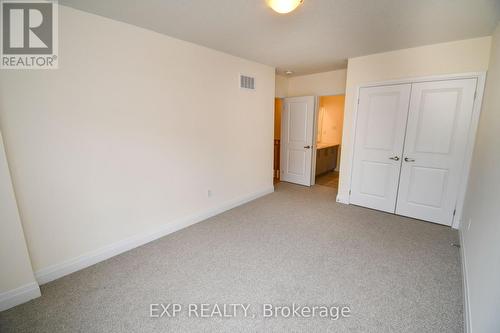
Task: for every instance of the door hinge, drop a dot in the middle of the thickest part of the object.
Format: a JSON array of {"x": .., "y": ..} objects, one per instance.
[
  {"x": 475, "y": 95},
  {"x": 358, "y": 101},
  {"x": 454, "y": 212},
  {"x": 349, "y": 192}
]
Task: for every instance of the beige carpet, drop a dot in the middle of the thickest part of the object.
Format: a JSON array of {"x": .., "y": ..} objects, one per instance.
[{"x": 294, "y": 246}]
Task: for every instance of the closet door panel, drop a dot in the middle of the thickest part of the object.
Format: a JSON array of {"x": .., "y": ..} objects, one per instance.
[
  {"x": 380, "y": 131},
  {"x": 434, "y": 151}
]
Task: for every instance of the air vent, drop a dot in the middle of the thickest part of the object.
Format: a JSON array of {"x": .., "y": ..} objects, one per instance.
[{"x": 247, "y": 82}]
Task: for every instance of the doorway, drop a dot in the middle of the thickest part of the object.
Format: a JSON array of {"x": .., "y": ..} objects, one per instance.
[
  {"x": 330, "y": 119},
  {"x": 307, "y": 139}
]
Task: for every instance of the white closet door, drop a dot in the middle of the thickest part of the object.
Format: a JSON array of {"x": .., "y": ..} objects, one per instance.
[
  {"x": 380, "y": 131},
  {"x": 436, "y": 138},
  {"x": 297, "y": 127}
]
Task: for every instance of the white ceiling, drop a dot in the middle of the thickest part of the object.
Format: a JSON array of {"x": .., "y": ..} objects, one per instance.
[{"x": 320, "y": 35}]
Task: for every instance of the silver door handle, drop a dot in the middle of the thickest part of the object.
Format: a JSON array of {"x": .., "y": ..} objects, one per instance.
[
  {"x": 409, "y": 159},
  {"x": 394, "y": 158},
  {"x": 307, "y": 147}
]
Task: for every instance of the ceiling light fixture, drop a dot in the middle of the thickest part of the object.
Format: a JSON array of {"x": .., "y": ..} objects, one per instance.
[
  {"x": 288, "y": 72},
  {"x": 284, "y": 6}
]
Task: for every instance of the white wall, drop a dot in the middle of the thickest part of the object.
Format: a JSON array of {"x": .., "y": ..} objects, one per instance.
[
  {"x": 319, "y": 84},
  {"x": 330, "y": 119},
  {"x": 281, "y": 86},
  {"x": 481, "y": 242},
  {"x": 15, "y": 266},
  {"x": 463, "y": 56},
  {"x": 128, "y": 136}
]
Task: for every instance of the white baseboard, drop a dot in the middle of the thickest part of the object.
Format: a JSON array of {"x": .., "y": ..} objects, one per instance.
[
  {"x": 19, "y": 295},
  {"x": 72, "y": 265},
  {"x": 465, "y": 285}
]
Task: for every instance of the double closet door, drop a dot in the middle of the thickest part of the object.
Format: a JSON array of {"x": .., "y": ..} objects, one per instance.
[{"x": 410, "y": 146}]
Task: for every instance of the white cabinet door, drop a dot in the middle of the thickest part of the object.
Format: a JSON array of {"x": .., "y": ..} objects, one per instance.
[
  {"x": 380, "y": 132},
  {"x": 434, "y": 153},
  {"x": 297, "y": 127}
]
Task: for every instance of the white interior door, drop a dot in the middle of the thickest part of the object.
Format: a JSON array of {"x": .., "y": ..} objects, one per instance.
[
  {"x": 297, "y": 127},
  {"x": 434, "y": 153},
  {"x": 380, "y": 132}
]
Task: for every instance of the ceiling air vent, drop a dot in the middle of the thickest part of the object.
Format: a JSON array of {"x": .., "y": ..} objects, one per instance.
[{"x": 247, "y": 82}]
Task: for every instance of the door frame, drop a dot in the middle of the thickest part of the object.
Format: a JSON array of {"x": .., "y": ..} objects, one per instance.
[
  {"x": 471, "y": 138},
  {"x": 314, "y": 143}
]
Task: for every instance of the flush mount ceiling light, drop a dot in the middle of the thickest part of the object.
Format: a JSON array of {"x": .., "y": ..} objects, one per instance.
[{"x": 284, "y": 6}]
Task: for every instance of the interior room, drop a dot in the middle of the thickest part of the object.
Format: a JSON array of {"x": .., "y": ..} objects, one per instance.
[
  {"x": 250, "y": 166},
  {"x": 329, "y": 124}
]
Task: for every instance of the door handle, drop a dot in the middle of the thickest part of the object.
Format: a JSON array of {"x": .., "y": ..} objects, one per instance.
[
  {"x": 394, "y": 158},
  {"x": 409, "y": 159},
  {"x": 307, "y": 147}
]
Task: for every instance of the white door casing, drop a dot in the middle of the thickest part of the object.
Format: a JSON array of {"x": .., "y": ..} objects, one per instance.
[
  {"x": 297, "y": 142},
  {"x": 378, "y": 147},
  {"x": 434, "y": 154}
]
